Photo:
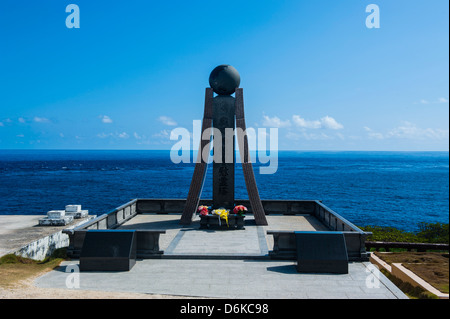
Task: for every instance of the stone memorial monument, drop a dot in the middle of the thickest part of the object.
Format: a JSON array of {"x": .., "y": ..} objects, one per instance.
[{"x": 223, "y": 113}]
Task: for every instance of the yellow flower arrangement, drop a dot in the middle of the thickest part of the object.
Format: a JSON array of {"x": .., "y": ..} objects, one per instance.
[{"x": 222, "y": 213}]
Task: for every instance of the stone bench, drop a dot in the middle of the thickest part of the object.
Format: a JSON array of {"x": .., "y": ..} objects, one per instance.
[
  {"x": 285, "y": 247},
  {"x": 108, "y": 250},
  {"x": 147, "y": 243},
  {"x": 321, "y": 252}
]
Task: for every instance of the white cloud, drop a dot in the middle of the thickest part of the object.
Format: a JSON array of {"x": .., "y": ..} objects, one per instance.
[
  {"x": 324, "y": 122},
  {"x": 20, "y": 135},
  {"x": 372, "y": 134},
  {"x": 137, "y": 136},
  {"x": 1, "y": 124},
  {"x": 410, "y": 131},
  {"x": 41, "y": 120},
  {"x": 309, "y": 136},
  {"x": 21, "y": 120},
  {"x": 163, "y": 137},
  {"x": 142, "y": 139},
  {"x": 331, "y": 123},
  {"x": 104, "y": 135},
  {"x": 275, "y": 122},
  {"x": 301, "y": 122},
  {"x": 164, "y": 134},
  {"x": 114, "y": 135},
  {"x": 106, "y": 119},
  {"x": 167, "y": 121},
  {"x": 438, "y": 101}
]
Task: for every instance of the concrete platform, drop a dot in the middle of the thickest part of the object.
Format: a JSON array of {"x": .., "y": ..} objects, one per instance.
[
  {"x": 16, "y": 231},
  {"x": 193, "y": 265},
  {"x": 243, "y": 279},
  {"x": 190, "y": 241}
]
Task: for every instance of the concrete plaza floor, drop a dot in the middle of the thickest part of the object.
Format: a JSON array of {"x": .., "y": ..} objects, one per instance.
[
  {"x": 225, "y": 264},
  {"x": 189, "y": 240},
  {"x": 243, "y": 279}
]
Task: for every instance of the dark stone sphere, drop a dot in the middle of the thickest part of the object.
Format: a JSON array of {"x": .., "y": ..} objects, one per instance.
[{"x": 224, "y": 79}]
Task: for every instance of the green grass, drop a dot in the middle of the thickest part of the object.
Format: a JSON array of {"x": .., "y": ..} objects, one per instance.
[
  {"x": 431, "y": 267},
  {"x": 14, "y": 269},
  {"x": 409, "y": 290}
]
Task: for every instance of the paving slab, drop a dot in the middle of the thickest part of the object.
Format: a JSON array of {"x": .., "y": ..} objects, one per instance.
[
  {"x": 168, "y": 222},
  {"x": 243, "y": 279},
  {"x": 245, "y": 276},
  {"x": 192, "y": 241}
]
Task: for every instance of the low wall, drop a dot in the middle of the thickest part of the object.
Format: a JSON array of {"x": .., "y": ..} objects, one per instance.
[
  {"x": 354, "y": 237},
  {"x": 111, "y": 220},
  {"x": 45, "y": 246},
  {"x": 286, "y": 207},
  {"x": 332, "y": 220}
]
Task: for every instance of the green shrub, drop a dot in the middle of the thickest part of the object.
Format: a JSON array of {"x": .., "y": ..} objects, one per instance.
[
  {"x": 390, "y": 234},
  {"x": 433, "y": 232},
  {"x": 427, "y": 233}
]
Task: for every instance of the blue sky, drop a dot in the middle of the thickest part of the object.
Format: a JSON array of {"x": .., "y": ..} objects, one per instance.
[{"x": 135, "y": 70}]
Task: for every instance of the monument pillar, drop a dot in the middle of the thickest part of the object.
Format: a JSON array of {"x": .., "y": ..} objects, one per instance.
[
  {"x": 224, "y": 151},
  {"x": 223, "y": 113}
]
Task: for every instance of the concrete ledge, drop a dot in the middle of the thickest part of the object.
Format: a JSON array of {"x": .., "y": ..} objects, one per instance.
[
  {"x": 45, "y": 246},
  {"x": 379, "y": 262}
]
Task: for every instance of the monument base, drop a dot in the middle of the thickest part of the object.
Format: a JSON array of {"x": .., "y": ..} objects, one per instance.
[{"x": 214, "y": 222}]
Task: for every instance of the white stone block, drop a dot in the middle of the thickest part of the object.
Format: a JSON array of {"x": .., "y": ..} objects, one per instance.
[
  {"x": 79, "y": 214},
  {"x": 55, "y": 221},
  {"x": 55, "y": 214},
  {"x": 73, "y": 208}
]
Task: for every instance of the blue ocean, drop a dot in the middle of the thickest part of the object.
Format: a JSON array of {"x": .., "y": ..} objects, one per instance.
[{"x": 399, "y": 189}]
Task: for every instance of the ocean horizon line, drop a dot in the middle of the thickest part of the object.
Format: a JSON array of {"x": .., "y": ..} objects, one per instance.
[{"x": 237, "y": 151}]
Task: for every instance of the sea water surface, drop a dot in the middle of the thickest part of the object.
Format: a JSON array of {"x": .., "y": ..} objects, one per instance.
[{"x": 399, "y": 189}]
